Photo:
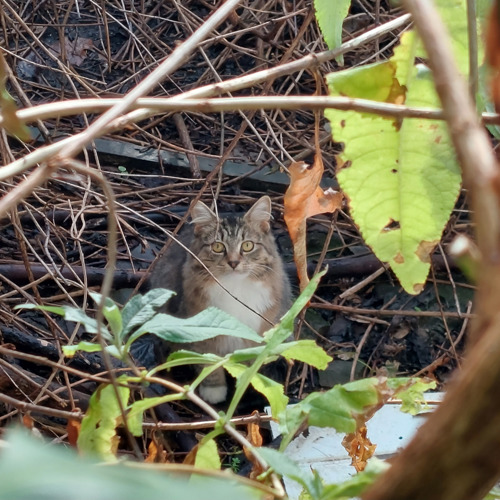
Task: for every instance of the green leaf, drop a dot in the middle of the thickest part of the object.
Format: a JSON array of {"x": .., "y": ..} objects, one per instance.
[
  {"x": 53, "y": 309},
  {"x": 142, "y": 308},
  {"x": 33, "y": 469},
  {"x": 137, "y": 409},
  {"x": 98, "y": 431},
  {"x": 355, "y": 486},
  {"x": 205, "y": 325},
  {"x": 330, "y": 16},
  {"x": 207, "y": 456},
  {"x": 401, "y": 178},
  {"x": 336, "y": 408},
  {"x": 453, "y": 13},
  {"x": 413, "y": 397},
  {"x": 308, "y": 352},
  {"x": 90, "y": 324},
  {"x": 285, "y": 466},
  {"x": 8, "y": 108},
  {"x": 300, "y": 350},
  {"x": 183, "y": 357},
  {"x": 271, "y": 390},
  {"x": 71, "y": 314},
  {"x": 344, "y": 407},
  {"x": 70, "y": 350},
  {"x": 110, "y": 312}
]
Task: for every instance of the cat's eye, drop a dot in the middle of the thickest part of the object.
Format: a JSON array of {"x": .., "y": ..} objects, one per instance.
[
  {"x": 218, "y": 247},
  {"x": 247, "y": 246}
]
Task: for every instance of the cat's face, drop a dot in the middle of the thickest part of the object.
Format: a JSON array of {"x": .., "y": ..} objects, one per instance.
[{"x": 241, "y": 245}]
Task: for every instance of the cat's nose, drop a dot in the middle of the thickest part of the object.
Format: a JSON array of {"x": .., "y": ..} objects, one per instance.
[{"x": 233, "y": 263}]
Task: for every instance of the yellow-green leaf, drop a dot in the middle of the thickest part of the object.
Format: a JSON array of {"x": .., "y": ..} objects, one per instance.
[
  {"x": 98, "y": 431},
  {"x": 207, "y": 456},
  {"x": 271, "y": 390},
  {"x": 308, "y": 352},
  {"x": 8, "y": 108},
  {"x": 401, "y": 178}
]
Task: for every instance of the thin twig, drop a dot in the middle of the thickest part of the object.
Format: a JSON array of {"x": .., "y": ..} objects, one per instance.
[
  {"x": 391, "y": 312},
  {"x": 228, "y": 427},
  {"x": 173, "y": 61}
]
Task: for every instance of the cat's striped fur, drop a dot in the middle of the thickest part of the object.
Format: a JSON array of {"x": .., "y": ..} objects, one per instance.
[{"x": 241, "y": 253}]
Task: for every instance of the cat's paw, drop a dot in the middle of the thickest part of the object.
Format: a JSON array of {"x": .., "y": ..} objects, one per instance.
[{"x": 213, "y": 394}]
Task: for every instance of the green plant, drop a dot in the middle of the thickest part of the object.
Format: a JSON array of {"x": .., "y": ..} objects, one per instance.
[
  {"x": 106, "y": 407},
  {"x": 344, "y": 408},
  {"x": 400, "y": 176}
]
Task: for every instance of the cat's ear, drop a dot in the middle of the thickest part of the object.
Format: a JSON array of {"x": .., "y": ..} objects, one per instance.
[
  {"x": 202, "y": 216},
  {"x": 260, "y": 214}
]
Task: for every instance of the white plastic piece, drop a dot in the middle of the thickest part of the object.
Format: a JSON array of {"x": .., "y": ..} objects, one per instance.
[{"x": 321, "y": 449}]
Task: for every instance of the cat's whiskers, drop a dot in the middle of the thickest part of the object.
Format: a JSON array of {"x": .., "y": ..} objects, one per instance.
[{"x": 262, "y": 270}]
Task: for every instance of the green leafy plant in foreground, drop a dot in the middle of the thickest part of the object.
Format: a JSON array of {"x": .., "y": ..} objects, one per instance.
[
  {"x": 344, "y": 408},
  {"x": 33, "y": 469}
]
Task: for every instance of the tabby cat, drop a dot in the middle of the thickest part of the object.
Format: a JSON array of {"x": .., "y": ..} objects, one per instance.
[{"x": 241, "y": 253}]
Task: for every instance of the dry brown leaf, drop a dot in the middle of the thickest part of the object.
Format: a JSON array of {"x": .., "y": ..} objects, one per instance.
[
  {"x": 152, "y": 452},
  {"x": 359, "y": 447},
  {"x": 255, "y": 438},
  {"x": 305, "y": 198},
  {"x": 156, "y": 453},
  {"x": 76, "y": 50},
  {"x": 28, "y": 421},
  {"x": 191, "y": 456},
  {"x": 73, "y": 429}
]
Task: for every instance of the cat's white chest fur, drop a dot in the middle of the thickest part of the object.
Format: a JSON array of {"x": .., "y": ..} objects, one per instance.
[{"x": 256, "y": 296}]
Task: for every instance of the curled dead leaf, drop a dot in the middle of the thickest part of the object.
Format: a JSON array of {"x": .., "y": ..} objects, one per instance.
[
  {"x": 305, "y": 198},
  {"x": 255, "y": 438},
  {"x": 156, "y": 453},
  {"x": 359, "y": 447},
  {"x": 73, "y": 429}
]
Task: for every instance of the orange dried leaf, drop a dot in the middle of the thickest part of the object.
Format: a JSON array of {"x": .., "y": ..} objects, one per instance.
[
  {"x": 305, "y": 198},
  {"x": 28, "y": 421},
  {"x": 359, "y": 447},
  {"x": 255, "y": 438},
  {"x": 254, "y": 435},
  {"x": 191, "y": 456},
  {"x": 73, "y": 429},
  {"x": 152, "y": 452},
  {"x": 156, "y": 453}
]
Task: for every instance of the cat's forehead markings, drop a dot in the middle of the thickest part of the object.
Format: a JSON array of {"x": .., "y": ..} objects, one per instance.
[{"x": 230, "y": 227}]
